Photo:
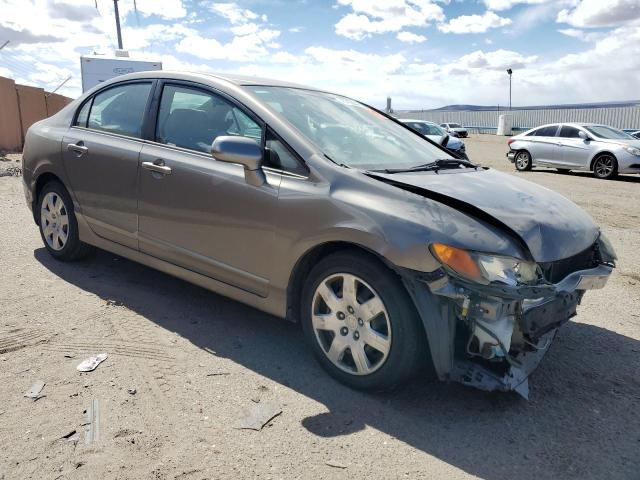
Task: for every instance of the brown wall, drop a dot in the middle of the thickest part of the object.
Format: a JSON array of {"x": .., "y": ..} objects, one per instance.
[
  {"x": 55, "y": 103},
  {"x": 32, "y": 106},
  {"x": 20, "y": 107},
  {"x": 10, "y": 128}
]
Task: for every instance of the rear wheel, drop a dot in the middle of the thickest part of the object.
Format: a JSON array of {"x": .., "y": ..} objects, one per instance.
[
  {"x": 523, "y": 161},
  {"x": 361, "y": 323},
  {"x": 605, "y": 166},
  {"x": 58, "y": 224}
]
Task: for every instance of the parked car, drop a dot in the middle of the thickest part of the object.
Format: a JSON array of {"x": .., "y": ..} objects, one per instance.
[
  {"x": 635, "y": 134},
  {"x": 436, "y": 133},
  {"x": 604, "y": 150},
  {"x": 314, "y": 207},
  {"x": 455, "y": 129}
]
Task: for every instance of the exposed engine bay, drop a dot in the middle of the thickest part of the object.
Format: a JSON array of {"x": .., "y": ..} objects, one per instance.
[{"x": 498, "y": 333}]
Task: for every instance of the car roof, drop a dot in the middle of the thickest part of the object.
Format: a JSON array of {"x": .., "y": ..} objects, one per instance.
[{"x": 239, "y": 80}]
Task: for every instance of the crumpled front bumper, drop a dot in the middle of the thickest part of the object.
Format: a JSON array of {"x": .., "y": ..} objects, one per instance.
[{"x": 448, "y": 304}]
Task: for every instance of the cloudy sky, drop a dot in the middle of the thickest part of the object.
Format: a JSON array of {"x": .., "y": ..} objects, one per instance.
[{"x": 422, "y": 53}]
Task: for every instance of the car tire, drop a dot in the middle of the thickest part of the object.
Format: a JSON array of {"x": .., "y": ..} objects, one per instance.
[
  {"x": 605, "y": 166},
  {"x": 58, "y": 224},
  {"x": 563, "y": 170},
  {"x": 346, "y": 320},
  {"x": 522, "y": 161}
]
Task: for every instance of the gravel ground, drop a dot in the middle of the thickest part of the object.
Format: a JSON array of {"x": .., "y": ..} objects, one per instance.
[{"x": 197, "y": 360}]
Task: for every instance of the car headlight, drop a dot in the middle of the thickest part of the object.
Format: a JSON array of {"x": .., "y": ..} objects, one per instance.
[
  {"x": 485, "y": 268},
  {"x": 632, "y": 150}
]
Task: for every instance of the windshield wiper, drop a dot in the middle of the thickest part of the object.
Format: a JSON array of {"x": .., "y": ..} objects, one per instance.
[{"x": 440, "y": 164}]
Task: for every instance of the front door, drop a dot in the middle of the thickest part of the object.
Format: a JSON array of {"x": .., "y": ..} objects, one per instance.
[
  {"x": 575, "y": 150},
  {"x": 196, "y": 212},
  {"x": 101, "y": 152}
]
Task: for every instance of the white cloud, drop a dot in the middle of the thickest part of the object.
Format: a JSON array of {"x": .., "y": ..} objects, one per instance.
[
  {"x": 169, "y": 9},
  {"x": 383, "y": 16},
  {"x": 474, "y": 23},
  {"x": 508, "y": 4},
  {"x": 495, "y": 60},
  {"x": 601, "y": 13},
  {"x": 410, "y": 37},
  {"x": 234, "y": 13},
  {"x": 582, "y": 35},
  {"x": 252, "y": 40}
]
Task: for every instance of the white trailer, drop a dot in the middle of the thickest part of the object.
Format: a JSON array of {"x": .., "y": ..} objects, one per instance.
[{"x": 99, "y": 68}]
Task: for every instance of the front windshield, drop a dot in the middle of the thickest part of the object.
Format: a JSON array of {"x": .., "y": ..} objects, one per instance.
[
  {"x": 608, "y": 132},
  {"x": 348, "y": 132},
  {"x": 455, "y": 125}
]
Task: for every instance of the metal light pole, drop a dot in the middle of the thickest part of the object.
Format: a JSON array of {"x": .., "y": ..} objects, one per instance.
[
  {"x": 510, "y": 72},
  {"x": 115, "y": 7}
]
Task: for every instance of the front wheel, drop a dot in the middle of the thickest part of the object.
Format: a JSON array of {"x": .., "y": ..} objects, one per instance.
[
  {"x": 361, "y": 323},
  {"x": 605, "y": 167},
  {"x": 58, "y": 224},
  {"x": 523, "y": 161}
]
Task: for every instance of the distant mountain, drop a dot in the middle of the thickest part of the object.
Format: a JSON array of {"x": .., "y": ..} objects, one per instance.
[{"x": 493, "y": 108}]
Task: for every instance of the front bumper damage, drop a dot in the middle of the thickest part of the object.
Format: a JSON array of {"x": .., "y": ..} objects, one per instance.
[{"x": 493, "y": 336}]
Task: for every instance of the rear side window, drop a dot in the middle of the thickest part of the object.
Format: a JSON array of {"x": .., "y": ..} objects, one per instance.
[
  {"x": 192, "y": 118},
  {"x": 546, "y": 131},
  {"x": 569, "y": 132},
  {"x": 120, "y": 109},
  {"x": 83, "y": 114}
]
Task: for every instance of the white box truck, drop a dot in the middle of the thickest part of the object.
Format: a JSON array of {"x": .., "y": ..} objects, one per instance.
[{"x": 99, "y": 68}]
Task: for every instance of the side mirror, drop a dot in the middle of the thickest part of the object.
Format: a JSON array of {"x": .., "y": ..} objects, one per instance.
[
  {"x": 583, "y": 136},
  {"x": 243, "y": 150}
]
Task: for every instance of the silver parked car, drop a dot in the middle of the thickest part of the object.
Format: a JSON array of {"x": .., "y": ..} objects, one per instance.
[
  {"x": 635, "y": 134},
  {"x": 603, "y": 150},
  {"x": 317, "y": 208},
  {"x": 455, "y": 129},
  {"x": 436, "y": 133}
]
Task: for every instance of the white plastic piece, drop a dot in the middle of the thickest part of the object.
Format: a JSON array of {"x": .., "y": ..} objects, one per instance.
[
  {"x": 91, "y": 363},
  {"x": 502, "y": 329}
]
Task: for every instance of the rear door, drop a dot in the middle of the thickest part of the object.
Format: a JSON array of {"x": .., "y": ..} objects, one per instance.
[
  {"x": 100, "y": 153},
  {"x": 574, "y": 150},
  {"x": 196, "y": 212},
  {"x": 544, "y": 145}
]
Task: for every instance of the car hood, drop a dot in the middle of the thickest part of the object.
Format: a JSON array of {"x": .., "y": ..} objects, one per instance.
[
  {"x": 551, "y": 226},
  {"x": 458, "y": 129},
  {"x": 630, "y": 142}
]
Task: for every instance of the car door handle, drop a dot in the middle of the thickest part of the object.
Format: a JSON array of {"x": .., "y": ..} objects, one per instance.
[
  {"x": 79, "y": 148},
  {"x": 158, "y": 166}
]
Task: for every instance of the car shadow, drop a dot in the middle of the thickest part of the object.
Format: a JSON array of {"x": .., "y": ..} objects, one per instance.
[
  {"x": 582, "y": 420},
  {"x": 631, "y": 178}
]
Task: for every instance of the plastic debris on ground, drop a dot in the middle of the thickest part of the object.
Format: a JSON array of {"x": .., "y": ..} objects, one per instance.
[
  {"x": 91, "y": 363},
  {"x": 257, "y": 415}
]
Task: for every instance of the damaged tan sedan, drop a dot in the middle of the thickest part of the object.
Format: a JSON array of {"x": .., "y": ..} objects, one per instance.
[{"x": 391, "y": 252}]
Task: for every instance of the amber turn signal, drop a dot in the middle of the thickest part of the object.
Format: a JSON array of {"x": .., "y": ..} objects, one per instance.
[{"x": 457, "y": 259}]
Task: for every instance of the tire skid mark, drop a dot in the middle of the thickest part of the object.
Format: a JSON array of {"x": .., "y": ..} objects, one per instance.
[
  {"x": 111, "y": 351},
  {"x": 123, "y": 328},
  {"x": 19, "y": 339}
]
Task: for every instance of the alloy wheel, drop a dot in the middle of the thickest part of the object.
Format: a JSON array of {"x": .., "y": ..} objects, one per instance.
[
  {"x": 522, "y": 160},
  {"x": 351, "y": 324},
  {"x": 54, "y": 221},
  {"x": 604, "y": 166}
]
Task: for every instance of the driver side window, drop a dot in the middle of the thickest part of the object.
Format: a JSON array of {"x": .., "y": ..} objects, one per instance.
[{"x": 192, "y": 118}]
